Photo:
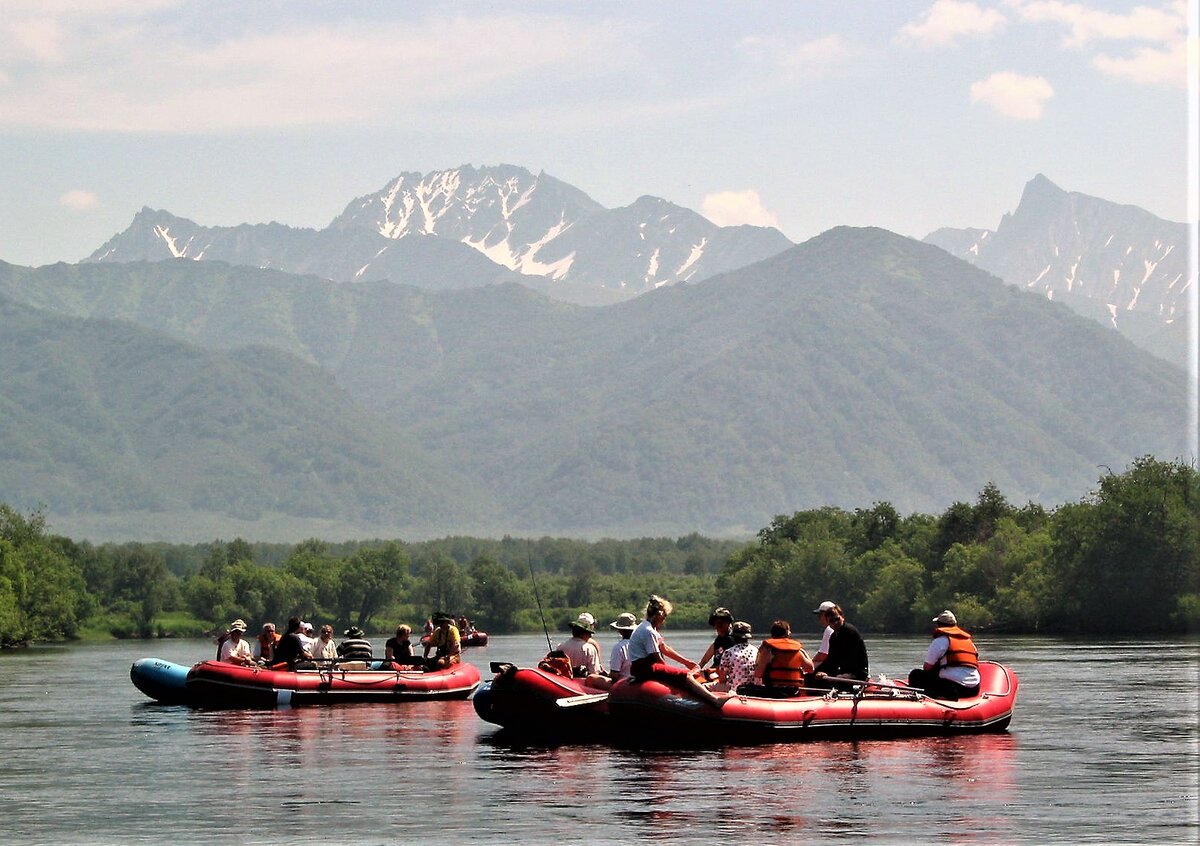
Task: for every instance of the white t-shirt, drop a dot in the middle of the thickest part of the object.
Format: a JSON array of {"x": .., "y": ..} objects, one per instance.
[
  {"x": 965, "y": 676},
  {"x": 306, "y": 641},
  {"x": 825, "y": 635},
  {"x": 644, "y": 641},
  {"x": 323, "y": 648},
  {"x": 618, "y": 661},
  {"x": 583, "y": 653},
  {"x": 240, "y": 649}
]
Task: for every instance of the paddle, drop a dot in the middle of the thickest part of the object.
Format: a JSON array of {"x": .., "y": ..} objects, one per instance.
[{"x": 581, "y": 699}]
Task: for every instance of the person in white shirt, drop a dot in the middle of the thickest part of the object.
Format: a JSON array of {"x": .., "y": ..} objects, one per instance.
[
  {"x": 648, "y": 651},
  {"x": 236, "y": 649},
  {"x": 580, "y": 649},
  {"x": 618, "y": 661},
  {"x": 324, "y": 650}
]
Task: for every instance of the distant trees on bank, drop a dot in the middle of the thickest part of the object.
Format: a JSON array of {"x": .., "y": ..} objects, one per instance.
[{"x": 1126, "y": 559}]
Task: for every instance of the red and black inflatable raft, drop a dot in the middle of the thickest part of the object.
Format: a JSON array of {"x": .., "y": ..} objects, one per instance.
[
  {"x": 654, "y": 710},
  {"x": 533, "y": 701},
  {"x": 216, "y": 684}
]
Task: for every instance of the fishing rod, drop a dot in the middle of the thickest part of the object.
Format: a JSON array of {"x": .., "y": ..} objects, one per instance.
[{"x": 533, "y": 579}]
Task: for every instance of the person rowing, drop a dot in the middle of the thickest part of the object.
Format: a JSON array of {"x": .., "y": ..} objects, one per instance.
[{"x": 647, "y": 649}]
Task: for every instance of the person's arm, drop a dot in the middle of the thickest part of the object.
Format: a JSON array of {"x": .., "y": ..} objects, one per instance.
[
  {"x": 936, "y": 652},
  {"x": 806, "y": 663},
  {"x": 708, "y": 654},
  {"x": 761, "y": 662},
  {"x": 668, "y": 652},
  {"x": 388, "y": 653}
]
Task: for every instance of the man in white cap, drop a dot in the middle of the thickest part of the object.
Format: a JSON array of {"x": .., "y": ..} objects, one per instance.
[
  {"x": 951, "y": 668},
  {"x": 822, "y": 612},
  {"x": 580, "y": 649},
  {"x": 236, "y": 649}
]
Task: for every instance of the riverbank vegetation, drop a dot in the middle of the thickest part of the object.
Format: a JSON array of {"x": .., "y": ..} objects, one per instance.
[{"x": 1125, "y": 559}]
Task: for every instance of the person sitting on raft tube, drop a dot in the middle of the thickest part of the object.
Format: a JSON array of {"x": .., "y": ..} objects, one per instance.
[
  {"x": 267, "y": 639},
  {"x": 236, "y": 649},
  {"x": 355, "y": 647},
  {"x": 646, "y": 651},
  {"x": 445, "y": 643},
  {"x": 782, "y": 661},
  {"x": 721, "y": 619},
  {"x": 951, "y": 669},
  {"x": 290, "y": 651},
  {"x": 399, "y": 649},
  {"x": 618, "y": 660},
  {"x": 324, "y": 650},
  {"x": 738, "y": 661},
  {"x": 845, "y": 658},
  {"x": 580, "y": 649}
]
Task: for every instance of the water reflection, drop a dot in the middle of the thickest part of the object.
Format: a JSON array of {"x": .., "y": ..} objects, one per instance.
[{"x": 88, "y": 759}]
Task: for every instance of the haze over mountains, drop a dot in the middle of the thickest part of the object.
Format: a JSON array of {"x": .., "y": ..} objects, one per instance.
[{"x": 858, "y": 366}]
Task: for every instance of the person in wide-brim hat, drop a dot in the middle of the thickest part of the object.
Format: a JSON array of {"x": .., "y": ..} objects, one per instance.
[
  {"x": 625, "y": 622},
  {"x": 580, "y": 649}
]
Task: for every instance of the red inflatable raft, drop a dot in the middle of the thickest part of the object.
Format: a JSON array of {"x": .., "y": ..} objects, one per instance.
[
  {"x": 653, "y": 710},
  {"x": 537, "y": 702},
  {"x": 217, "y": 684}
]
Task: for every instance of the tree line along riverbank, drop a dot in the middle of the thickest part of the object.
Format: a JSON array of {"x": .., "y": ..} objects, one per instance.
[{"x": 1125, "y": 559}]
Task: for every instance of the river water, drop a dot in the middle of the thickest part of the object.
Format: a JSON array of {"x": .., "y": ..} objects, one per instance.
[{"x": 1104, "y": 747}]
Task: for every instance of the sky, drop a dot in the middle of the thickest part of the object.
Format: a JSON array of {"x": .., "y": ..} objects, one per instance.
[{"x": 800, "y": 115}]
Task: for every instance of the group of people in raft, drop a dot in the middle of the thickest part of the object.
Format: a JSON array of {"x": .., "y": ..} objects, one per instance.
[
  {"x": 297, "y": 648},
  {"x": 779, "y": 666}
]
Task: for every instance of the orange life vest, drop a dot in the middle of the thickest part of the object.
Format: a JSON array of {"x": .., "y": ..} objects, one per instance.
[
  {"x": 785, "y": 669},
  {"x": 962, "y": 651},
  {"x": 559, "y": 664}
]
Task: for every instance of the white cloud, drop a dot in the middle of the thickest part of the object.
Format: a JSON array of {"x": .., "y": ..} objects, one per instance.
[
  {"x": 1013, "y": 95},
  {"x": 734, "y": 208},
  {"x": 1150, "y": 66},
  {"x": 796, "y": 57},
  {"x": 78, "y": 200},
  {"x": 157, "y": 75},
  {"x": 946, "y": 21},
  {"x": 1142, "y": 23}
]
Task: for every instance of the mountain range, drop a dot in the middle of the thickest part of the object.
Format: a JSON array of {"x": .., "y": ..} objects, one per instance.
[
  {"x": 472, "y": 226},
  {"x": 858, "y": 366},
  {"x": 1117, "y": 264}
]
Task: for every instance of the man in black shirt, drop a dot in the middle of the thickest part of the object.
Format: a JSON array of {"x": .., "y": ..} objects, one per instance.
[{"x": 847, "y": 658}]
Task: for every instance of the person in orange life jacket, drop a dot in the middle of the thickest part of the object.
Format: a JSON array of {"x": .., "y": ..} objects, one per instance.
[
  {"x": 845, "y": 659},
  {"x": 721, "y": 619},
  {"x": 267, "y": 639},
  {"x": 647, "y": 650},
  {"x": 782, "y": 661},
  {"x": 951, "y": 669}
]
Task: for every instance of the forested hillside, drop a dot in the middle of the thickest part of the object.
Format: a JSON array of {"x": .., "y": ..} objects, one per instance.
[{"x": 860, "y": 366}]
